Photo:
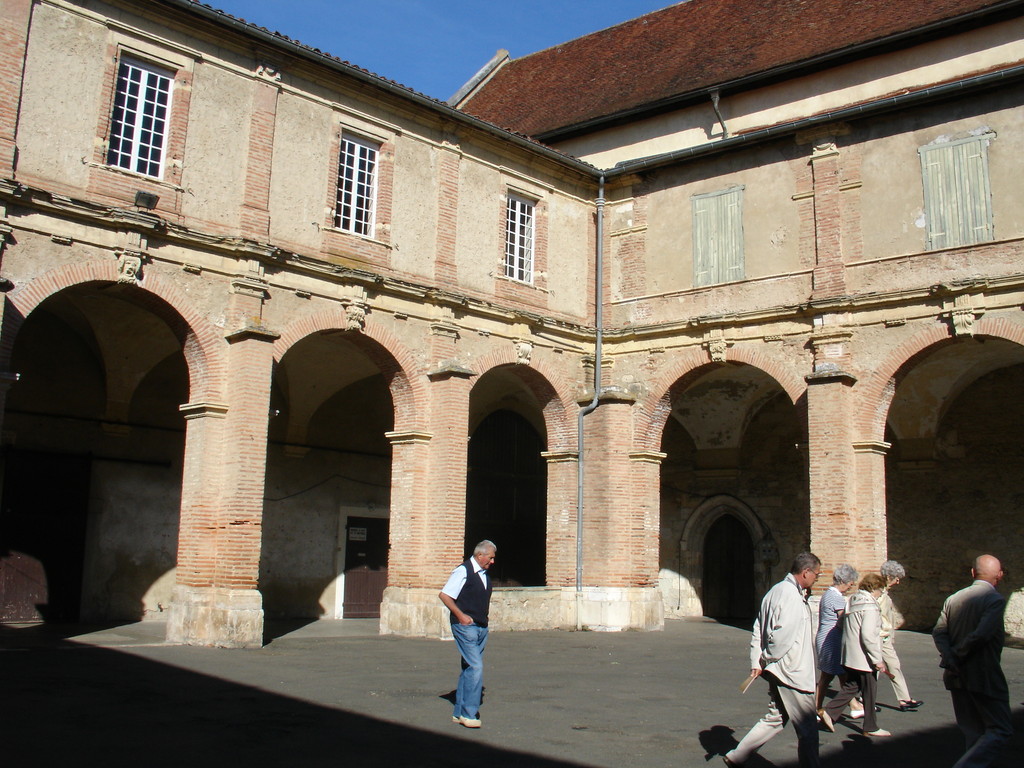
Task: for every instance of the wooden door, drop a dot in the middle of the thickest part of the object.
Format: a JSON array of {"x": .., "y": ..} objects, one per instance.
[
  {"x": 728, "y": 585},
  {"x": 366, "y": 566}
]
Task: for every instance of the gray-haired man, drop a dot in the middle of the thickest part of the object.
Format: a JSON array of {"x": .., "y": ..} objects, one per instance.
[
  {"x": 782, "y": 651},
  {"x": 467, "y": 595}
]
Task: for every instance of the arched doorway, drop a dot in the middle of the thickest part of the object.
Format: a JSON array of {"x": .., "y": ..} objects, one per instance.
[
  {"x": 506, "y": 492},
  {"x": 728, "y": 577},
  {"x": 92, "y": 457},
  {"x": 732, "y": 443},
  {"x": 328, "y": 493},
  {"x": 955, "y": 472}
]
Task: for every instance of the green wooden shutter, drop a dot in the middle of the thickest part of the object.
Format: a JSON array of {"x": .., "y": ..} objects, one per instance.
[
  {"x": 957, "y": 196},
  {"x": 703, "y": 258},
  {"x": 718, "y": 237}
]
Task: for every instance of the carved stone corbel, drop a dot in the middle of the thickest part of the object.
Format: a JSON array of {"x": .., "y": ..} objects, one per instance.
[
  {"x": 963, "y": 314},
  {"x": 129, "y": 266},
  {"x": 355, "y": 317},
  {"x": 524, "y": 351},
  {"x": 716, "y": 349}
]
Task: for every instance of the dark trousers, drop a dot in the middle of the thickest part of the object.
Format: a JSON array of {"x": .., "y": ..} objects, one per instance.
[{"x": 860, "y": 682}]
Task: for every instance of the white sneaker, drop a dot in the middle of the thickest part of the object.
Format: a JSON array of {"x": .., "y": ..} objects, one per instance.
[
  {"x": 879, "y": 732},
  {"x": 856, "y": 714},
  {"x": 470, "y": 722}
]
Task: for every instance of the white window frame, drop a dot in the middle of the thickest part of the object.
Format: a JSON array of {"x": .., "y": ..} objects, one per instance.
[
  {"x": 356, "y": 203},
  {"x": 718, "y": 237},
  {"x": 957, "y": 193},
  {"x": 140, "y": 119},
  {"x": 520, "y": 236}
]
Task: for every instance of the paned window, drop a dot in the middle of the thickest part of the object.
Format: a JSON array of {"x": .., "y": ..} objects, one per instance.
[
  {"x": 718, "y": 237},
  {"x": 519, "y": 239},
  {"x": 138, "y": 126},
  {"x": 357, "y": 186},
  {"x": 957, "y": 198}
]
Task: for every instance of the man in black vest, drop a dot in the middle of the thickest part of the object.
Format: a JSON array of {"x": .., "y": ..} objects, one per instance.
[{"x": 467, "y": 595}]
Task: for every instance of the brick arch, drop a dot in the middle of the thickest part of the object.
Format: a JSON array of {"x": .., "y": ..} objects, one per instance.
[
  {"x": 654, "y": 410},
  {"x": 202, "y": 344},
  {"x": 550, "y": 388},
  {"x": 879, "y": 389},
  {"x": 791, "y": 384},
  {"x": 390, "y": 355}
]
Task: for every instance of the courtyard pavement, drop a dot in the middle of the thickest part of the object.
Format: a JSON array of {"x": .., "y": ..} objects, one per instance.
[{"x": 334, "y": 693}]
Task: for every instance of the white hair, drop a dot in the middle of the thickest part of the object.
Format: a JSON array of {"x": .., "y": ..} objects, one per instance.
[
  {"x": 892, "y": 570},
  {"x": 484, "y": 546},
  {"x": 845, "y": 574}
]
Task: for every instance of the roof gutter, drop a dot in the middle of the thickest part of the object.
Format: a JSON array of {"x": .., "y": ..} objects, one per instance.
[
  {"x": 866, "y": 109},
  {"x": 376, "y": 81}
]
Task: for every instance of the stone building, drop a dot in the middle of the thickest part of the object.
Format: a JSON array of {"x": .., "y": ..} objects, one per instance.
[{"x": 654, "y": 309}]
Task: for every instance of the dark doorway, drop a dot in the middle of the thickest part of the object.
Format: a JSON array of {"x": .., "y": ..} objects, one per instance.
[
  {"x": 42, "y": 536},
  {"x": 366, "y": 566},
  {"x": 506, "y": 497},
  {"x": 728, "y": 582}
]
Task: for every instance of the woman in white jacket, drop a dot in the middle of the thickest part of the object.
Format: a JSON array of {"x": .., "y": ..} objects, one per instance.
[{"x": 862, "y": 655}]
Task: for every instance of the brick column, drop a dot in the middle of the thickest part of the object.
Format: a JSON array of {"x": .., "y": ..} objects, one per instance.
[
  {"x": 645, "y": 471},
  {"x": 829, "y": 277},
  {"x": 215, "y": 599},
  {"x": 872, "y": 533},
  {"x": 620, "y": 522},
  {"x": 428, "y": 516},
  {"x": 255, "y": 211},
  {"x": 560, "y": 539},
  {"x": 15, "y": 16},
  {"x": 449, "y": 165},
  {"x": 846, "y": 478}
]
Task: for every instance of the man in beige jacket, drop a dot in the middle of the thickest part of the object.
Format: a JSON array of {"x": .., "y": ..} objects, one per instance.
[
  {"x": 782, "y": 651},
  {"x": 969, "y": 636}
]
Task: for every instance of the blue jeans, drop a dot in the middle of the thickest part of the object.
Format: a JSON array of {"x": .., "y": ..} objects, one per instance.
[{"x": 471, "y": 641}]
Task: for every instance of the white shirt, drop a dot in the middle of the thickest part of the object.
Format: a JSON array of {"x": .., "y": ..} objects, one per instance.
[{"x": 453, "y": 587}]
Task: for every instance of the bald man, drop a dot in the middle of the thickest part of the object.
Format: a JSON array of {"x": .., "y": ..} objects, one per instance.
[{"x": 969, "y": 636}]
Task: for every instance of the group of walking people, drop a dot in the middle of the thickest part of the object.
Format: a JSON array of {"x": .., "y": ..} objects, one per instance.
[{"x": 854, "y": 642}]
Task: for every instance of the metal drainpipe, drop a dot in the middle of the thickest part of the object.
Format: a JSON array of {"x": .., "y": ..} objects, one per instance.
[
  {"x": 592, "y": 405},
  {"x": 715, "y": 95}
]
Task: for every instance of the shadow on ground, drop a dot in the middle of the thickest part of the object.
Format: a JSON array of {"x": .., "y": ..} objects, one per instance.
[
  {"x": 932, "y": 748},
  {"x": 68, "y": 704}
]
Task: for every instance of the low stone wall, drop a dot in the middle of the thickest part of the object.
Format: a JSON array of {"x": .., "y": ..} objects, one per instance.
[{"x": 419, "y": 613}]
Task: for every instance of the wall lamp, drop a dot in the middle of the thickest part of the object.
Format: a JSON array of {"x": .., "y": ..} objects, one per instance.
[{"x": 146, "y": 200}]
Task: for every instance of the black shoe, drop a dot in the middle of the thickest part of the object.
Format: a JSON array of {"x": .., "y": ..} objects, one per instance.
[{"x": 910, "y": 706}]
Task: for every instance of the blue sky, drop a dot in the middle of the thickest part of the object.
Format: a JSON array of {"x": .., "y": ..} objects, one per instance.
[{"x": 433, "y": 46}]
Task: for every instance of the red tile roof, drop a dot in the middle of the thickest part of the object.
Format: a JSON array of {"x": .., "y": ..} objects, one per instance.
[{"x": 690, "y": 47}]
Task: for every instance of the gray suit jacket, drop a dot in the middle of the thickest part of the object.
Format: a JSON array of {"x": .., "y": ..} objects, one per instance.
[{"x": 969, "y": 636}]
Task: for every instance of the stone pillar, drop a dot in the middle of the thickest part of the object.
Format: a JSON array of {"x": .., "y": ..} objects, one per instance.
[{"x": 215, "y": 600}]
